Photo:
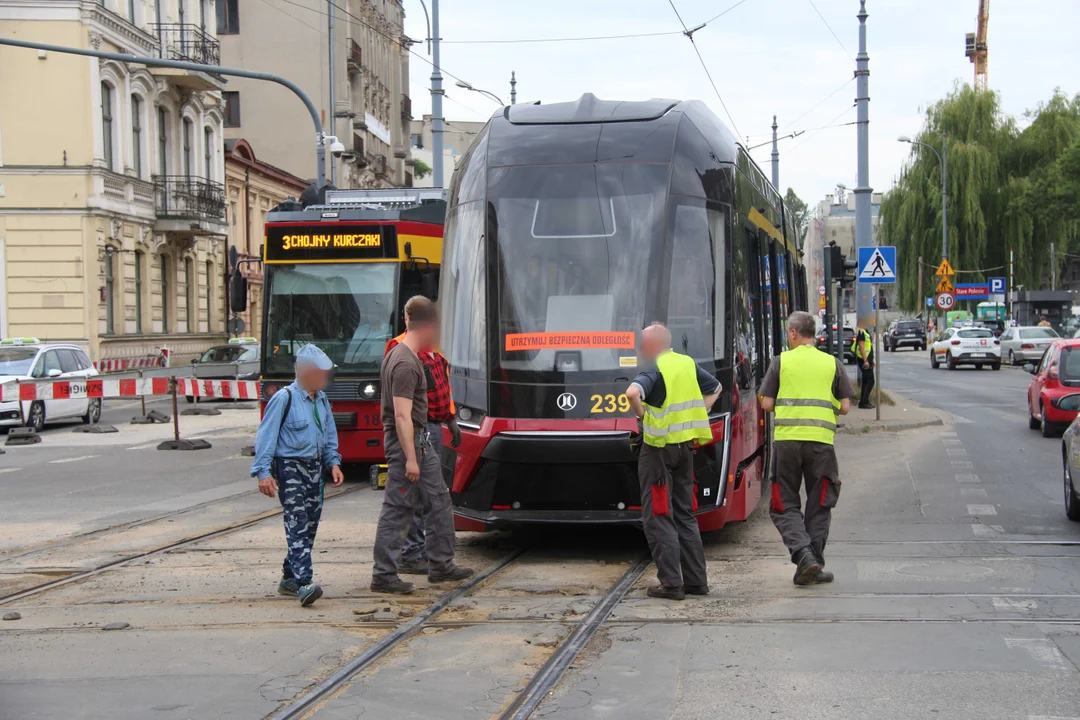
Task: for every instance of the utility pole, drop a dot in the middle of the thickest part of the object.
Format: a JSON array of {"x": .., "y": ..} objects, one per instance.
[
  {"x": 775, "y": 158},
  {"x": 944, "y": 196},
  {"x": 513, "y": 88},
  {"x": 920, "y": 298},
  {"x": 828, "y": 282},
  {"x": 864, "y": 307},
  {"x": 1053, "y": 268},
  {"x": 436, "y": 101},
  {"x": 333, "y": 107}
]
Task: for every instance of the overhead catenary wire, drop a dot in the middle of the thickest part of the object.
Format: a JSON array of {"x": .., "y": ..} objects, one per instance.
[
  {"x": 831, "y": 31},
  {"x": 832, "y": 123}
]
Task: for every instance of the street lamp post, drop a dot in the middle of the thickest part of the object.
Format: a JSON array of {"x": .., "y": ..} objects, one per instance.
[
  {"x": 942, "y": 158},
  {"x": 468, "y": 86}
]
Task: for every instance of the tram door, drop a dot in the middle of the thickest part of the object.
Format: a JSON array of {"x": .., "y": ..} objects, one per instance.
[{"x": 759, "y": 317}]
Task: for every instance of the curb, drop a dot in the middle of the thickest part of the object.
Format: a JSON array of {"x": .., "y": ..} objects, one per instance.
[{"x": 896, "y": 426}]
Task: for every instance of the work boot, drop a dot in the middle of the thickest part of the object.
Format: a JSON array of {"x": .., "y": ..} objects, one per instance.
[
  {"x": 417, "y": 567},
  {"x": 808, "y": 567},
  {"x": 823, "y": 576},
  {"x": 309, "y": 594},
  {"x": 454, "y": 573},
  {"x": 288, "y": 587},
  {"x": 667, "y": 593},
  {"x": 696, "y": 589},
  {"x": 867, "y": 406},
  {"x": 396, "y": 587}
]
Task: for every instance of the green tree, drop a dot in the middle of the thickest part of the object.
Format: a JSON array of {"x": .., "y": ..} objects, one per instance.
[
  {"x": 800, "y": 213},
  {"x": 1008, "y": 188},
  {"x": 420, "y": 169}
]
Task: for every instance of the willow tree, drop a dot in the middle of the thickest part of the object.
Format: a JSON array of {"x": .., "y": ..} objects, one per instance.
[{"x": 1007, "y": 188}]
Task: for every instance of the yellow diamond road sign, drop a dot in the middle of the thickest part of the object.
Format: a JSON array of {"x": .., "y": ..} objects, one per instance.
[
  {"x": 944, "y": 286},
  {"x": 945, "y": 268}
]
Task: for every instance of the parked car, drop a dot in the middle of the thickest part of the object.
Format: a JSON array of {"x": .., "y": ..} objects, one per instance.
[
  {"x": 237, "y": 360},
  {"x": 1057, "y": 375},
  {"x": 905, "y": 333},
  {"x": 29, "y": 359},
  {"x": 975, "y": 346},
  {"x": 846, "y": 338},
  {"x": 1025, "y": 344},
  {"x": 1070, "y": 458}
]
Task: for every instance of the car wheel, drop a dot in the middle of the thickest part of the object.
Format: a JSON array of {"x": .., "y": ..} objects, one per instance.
[
  {"x": 1072, "y": 500},
  {"x": 35, "y": 418},
  {"x": 1012, "y": 358},
  {"x": 1033, "y": 422},
  {"x": 1048, "y": 428},
  {"x": 996, "y": 366},
  {"x": 933, "y": 361},
  {"x": 922, "y": 347},
  {"x": 950, "y": 361},
  {"x": 93, "y": 411}
]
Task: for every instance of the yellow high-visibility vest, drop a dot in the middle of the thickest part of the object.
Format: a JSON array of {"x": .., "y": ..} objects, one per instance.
[
  {"x": 806, "y": 408},
  {"x": 868, "y": 344},
  {"x": 683, "y": 416}
]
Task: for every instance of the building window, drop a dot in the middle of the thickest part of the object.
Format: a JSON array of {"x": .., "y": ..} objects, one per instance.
[
  {"x": 190, "y": 289},
  {"x": 228, "y": 17},
  {"x": 208, "y": 152},
  {"x": 232, "y": 105},
  {"x": 187, "y": 149},
  {"x": 107, "y": 123},
  {"x": 131, "y": 11},
  {"x": 136, "y": 134},
  {"x": 140, "y": 258},
  {"x": 164, "y": 294},
  {"x": 417, "y": 140},
  {"x": 209, "y": 295},
  {"x": 163, "y": 141},
  {"x": 110, "y": 319}
]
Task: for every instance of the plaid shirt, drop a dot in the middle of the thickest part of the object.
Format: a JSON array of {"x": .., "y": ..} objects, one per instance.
[{"x": 437, "y": 372}]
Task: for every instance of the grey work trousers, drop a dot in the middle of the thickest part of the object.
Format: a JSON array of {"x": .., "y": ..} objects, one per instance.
[
  {"x": 674, "y": 539},
  {"x": 400, "y": 501},
  {"x": 799, "y": 462},
  {"x": 413, "y": 550}
]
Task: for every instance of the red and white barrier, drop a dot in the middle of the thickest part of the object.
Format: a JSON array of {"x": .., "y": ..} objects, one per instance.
[
  {"x": 218, "y": 389},
  {"x": 120, "y": 364},
  {"x": 91, "y": 388}
]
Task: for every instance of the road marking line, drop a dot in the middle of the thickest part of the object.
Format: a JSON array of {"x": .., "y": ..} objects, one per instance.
[
  {"x": 983, "y": 530},
  {"x": 960, "y": 420},
  {"x": 956, "y": 452},
  {"x": 1041, "y": 650},
  {"x": 948, "y": 434},
  {"x": 981, "y": 510},
  {"x": 946, "y": 441},
  {"x": 72, "y": 459},
  {"x": 973, "y": 492},
  {"x": 962, "y": 465},
  {"x": 1001, "y": 603},
  {"x": 7, "y": 470},
  {"x": 966, "y": 478},
  {"x": 1052, "y": 717},
  {"x": 147, "y": 446}
]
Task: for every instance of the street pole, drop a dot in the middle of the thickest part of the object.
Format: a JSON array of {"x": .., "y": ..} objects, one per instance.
[
  {"x": 775, "y": 158},
  {"x": 920, "y": 297},
  {"x": 320, "y": 136},
  {"x": 944, "y": 196},
  {"x": 513, "y": 88},
  {"x": 1053, "y": 268},
  {"x": 333, "y": 108},
  {"x": 863, "y": 305},
  {"x": 877, "y": 355},
  {"x": 436, "y": 100},
  {"x": 1011, "y": 280},
  {"x": 827, "y": 272}
]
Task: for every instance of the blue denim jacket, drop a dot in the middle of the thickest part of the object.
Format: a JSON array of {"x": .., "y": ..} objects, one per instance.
[{"x": 300, "y": 436}]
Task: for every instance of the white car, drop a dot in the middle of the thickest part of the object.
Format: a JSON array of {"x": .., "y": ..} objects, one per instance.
[
  {"x": 966, "y": 346},
  {"x": 28, "y": 359},
  {"x": 1026, "y": 344}
]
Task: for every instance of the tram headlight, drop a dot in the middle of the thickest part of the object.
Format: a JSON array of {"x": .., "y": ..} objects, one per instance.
[
  {"x": 465, "y": 414},
  {"x": 369, "y": 390}
]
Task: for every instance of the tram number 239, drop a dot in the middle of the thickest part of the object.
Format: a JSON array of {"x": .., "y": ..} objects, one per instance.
[{"x": 609, "y": 403}]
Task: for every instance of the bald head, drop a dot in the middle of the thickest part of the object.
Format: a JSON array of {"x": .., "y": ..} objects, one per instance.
[{"x": 655, "y": 339}]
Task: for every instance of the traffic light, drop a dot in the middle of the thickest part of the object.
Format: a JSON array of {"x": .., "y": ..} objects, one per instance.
[
  {"x": 847, "y": 275},
  {"x": 835, "y": 260}
]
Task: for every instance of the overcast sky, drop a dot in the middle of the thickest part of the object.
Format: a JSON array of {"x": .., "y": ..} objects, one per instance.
[{"x": 766, "y": 56}]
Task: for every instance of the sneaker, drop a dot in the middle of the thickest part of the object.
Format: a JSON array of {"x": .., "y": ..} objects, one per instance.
[
  {"x": 418, "y": 567},
  {"x": 396, "y": 587},
  {"x": 696, "y": 589},
  {"x": 288, "y": 587},
  {"x": 808, "y": 567},
  {"x": 454, "y": 573},
  {"x": 668, "y": 593},
  {"x": 309, "y": 594}
]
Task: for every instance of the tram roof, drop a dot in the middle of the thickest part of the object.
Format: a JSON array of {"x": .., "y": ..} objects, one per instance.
[
  {"x": 589, "y": 109},
  {"x": 425, "y": 205}
]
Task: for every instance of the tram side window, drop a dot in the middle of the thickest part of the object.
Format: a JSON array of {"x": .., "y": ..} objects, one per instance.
[
  {"x": 742, "y": 328},
  {"x": 718, "y": 233},
  {"x": 463, "y": 293},
  {"x": 691, "y": 303},
  {"x": 759, "y": 351}
]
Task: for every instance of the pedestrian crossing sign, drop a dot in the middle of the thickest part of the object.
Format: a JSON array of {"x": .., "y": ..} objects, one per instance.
[{"x": 877, "y": 264}]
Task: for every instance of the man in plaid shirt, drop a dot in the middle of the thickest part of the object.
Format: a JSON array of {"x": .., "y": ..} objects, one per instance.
[{"x": 441, "y": 410}]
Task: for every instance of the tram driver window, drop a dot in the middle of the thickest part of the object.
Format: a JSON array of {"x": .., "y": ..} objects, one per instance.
[{"x": 690, "y": 296}]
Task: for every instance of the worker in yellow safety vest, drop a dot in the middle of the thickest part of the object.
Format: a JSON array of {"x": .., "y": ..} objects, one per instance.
[
  {"x": 808, "y": 390},
  {"x": 862, "y": 346},
  {"x": 672, "y": 400}
]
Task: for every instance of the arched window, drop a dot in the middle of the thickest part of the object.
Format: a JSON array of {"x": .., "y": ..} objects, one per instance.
[
  {"x": 209, "y": 296},
  {"x": 110, "y": 291},
  {"x": 164, "y": 294},
  {"x": 208, "y": 152},
  {"x": 136, "y": 135},
  {"x": 107, "y": 123},
  {"x": 189, "y": 157},
  {"x": 191, "y": 293},
  {"x": 163, "y": 141},
  {"x": 140, "y": 258}
]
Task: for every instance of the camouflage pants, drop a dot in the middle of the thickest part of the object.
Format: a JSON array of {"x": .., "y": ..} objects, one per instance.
[{"x": 300, "y": 490}]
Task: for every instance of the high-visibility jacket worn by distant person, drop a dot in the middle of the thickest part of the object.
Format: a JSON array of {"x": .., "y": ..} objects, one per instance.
[
  {"x": 806, "y": 408},
  {"x": 683, "y": 416}
]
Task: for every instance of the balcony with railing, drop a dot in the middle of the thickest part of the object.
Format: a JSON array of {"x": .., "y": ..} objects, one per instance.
[
  {"x": 355, "y": 60},
  {"x": 190, "y": 43},
  {"x": 197, "y": 203},
  {"x": 406, "y": 108}
]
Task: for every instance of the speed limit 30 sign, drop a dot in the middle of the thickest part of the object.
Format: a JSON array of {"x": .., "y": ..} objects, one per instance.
[{"x": 945, "y": 301}]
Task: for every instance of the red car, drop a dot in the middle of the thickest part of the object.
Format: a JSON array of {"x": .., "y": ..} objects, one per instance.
[{"x": 1057, "y": 374}]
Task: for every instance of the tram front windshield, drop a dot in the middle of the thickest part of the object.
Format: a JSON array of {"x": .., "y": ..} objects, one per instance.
[
  {"x": 575, "y": 247},
  {"x": 345, "y": 309}
]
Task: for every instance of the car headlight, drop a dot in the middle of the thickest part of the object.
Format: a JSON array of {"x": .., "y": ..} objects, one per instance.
[{"x": 369, "y": 390}]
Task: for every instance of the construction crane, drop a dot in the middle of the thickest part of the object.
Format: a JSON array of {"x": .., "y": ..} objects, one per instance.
[{"x": 975, "y": 45}]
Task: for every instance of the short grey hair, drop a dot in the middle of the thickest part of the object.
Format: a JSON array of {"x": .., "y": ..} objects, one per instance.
[{"x": 802, "y": 323}]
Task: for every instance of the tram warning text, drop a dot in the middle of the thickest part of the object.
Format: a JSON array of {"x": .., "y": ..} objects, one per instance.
[{"x": 570, "y": 340}]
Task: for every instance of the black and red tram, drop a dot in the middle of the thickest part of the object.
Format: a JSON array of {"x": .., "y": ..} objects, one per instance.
[{"x": 569, "y": 228}]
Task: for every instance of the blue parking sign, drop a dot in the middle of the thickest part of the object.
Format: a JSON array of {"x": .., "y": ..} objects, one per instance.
[{"x": 997, "y": 286}]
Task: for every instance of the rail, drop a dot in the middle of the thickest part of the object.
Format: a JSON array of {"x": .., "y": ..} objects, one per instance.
[
  {"x": 188, "y": 42},
  {"x": 183, "y": 196}
]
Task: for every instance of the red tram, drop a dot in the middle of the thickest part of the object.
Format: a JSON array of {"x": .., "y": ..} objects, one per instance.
[{"x": 569, "y": 228}]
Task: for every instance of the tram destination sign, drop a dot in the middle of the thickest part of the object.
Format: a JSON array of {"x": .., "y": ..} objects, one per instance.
[{"x": 337, "y": 242}]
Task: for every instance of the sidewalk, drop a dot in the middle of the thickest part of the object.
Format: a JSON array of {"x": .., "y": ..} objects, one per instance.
[{"x": 904, "y": 415}]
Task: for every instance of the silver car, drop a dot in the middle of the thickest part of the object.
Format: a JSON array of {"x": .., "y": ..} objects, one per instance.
[{"x": 1025, "y": 344}]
